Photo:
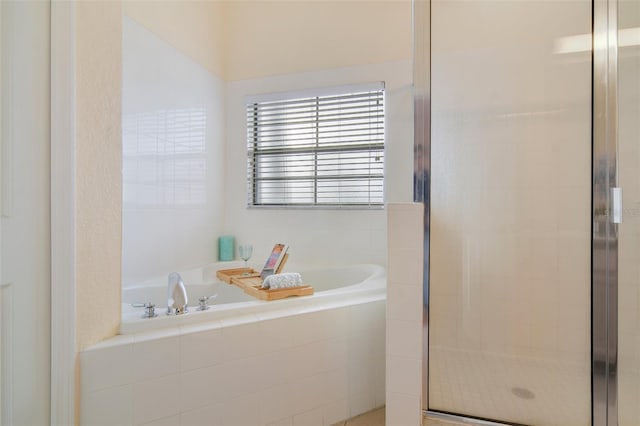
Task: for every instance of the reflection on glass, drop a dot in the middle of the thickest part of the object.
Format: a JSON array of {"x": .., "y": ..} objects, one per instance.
[{"x": 164, "y": 157}]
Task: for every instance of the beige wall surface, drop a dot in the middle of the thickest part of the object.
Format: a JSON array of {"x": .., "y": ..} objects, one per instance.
[
  {"x": 629, "y": 229},
  {"x": 267, "y": 38},
  {"x": 98, "y": 178},
  {"x": 194, "y": 27},
  {"x": 239, "y": 40}
]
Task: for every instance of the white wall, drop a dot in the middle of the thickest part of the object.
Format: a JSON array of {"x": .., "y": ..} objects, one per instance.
[
  {"x": 267, "y": 37},
  {"x": 25, "y": 303},
  {"x": 173, "y": 141},
  {"x": 320, "y": 237},
  {"x": 629, "y": 230}
]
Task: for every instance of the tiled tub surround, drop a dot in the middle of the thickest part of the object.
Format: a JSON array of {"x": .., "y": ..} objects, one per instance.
[{"x": 311, "y": 364}]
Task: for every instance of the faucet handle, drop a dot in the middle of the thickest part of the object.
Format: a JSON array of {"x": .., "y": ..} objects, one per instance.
[
  {"x": 204, "y": 302},
  {"x": 149, "y": 309}
]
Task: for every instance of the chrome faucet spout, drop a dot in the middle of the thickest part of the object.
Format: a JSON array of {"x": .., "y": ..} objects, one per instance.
[{"x": 177, "y": 295}]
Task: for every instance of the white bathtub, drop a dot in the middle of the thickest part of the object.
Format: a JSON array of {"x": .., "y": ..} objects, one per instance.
[
  {"x": 331, "y": 285},
  {"x": 306, "y": 360}
]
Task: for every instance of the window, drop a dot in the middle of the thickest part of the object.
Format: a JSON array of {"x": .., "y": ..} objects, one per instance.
[{"x": 322, "y": 149}]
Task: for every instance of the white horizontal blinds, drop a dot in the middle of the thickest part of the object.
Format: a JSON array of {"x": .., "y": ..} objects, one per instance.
[{"x": 317, "y": 150}]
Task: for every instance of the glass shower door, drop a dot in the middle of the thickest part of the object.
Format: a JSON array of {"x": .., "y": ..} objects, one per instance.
[
  {"x": 629, "y": 229},
  {"x": 509, "y": 290}
]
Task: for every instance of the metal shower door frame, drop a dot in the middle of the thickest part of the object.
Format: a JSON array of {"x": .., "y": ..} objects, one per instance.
[{"x": 604, "y": 241}]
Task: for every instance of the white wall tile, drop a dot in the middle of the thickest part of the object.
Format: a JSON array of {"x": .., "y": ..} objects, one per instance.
[
  {"x": 404, "y": 225},
  {"x": 288, "y": 421},
  {"x": 106, "y": 367},
  {"x": 198, "y": 417},
  {"x": 405, "y": 375},
  {"x": 156, "y": 358},
  {"x": 107, "y": 407},
  {"x": 405, "y": 267},
  {"x": 404, "y": 338},
  {"x": 316, "y": 357},
  {"x": 166, "y": 421},
  {"x": 238, "y": 377},
  {"x": 157, "y": 334},
  {"x": 275, "y": 403},
  {"x": 269, "y": 370},
  {"x": 310, "y": 327},
  {"x": 238, "y": 320},
  {"x": 155, "y": 399},
  {"x": 361, "y": 374},
  {"x": 403, "y": 410},
  {"x": 335, "y": 354},
  {"x": 201, "y": 349},
  {"x": 380, "y": 391},
  {"x": 240, "y": 411},
  {"x": 311, "y": 392},
  {"x": 274, "y": 338},
  {"x": 256, "y": 338},
  {"x": 302, "y": 360},
  {"x": 335, "y": 321},
  {"x": 198, "y": 388},
  {"x": 335, "y": 411},
  {"x": 362, "y": 402},
  {"x": 309, "y": 418},
  {"x": 241, "y": 341},
  {"x": 405, "y": 302},
  {"x": 336, "y": 385},
  {"x": 361, "y": 318}
]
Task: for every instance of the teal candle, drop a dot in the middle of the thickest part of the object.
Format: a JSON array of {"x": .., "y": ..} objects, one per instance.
[{"x": 226, "y": 247}]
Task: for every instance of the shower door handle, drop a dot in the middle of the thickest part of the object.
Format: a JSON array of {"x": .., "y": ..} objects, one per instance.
[{"x": 616, "y": 205}]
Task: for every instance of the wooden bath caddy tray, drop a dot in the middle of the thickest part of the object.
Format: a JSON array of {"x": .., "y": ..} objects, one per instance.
[{"x": 249, "y": 280}]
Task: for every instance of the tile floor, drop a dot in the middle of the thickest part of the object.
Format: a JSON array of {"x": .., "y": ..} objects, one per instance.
[
  {"x": 521, "y": 390},
  {"x": 628, "y": 413},
  {"x": 371, "y": 418},
  {"x": 376, "y": 418}
]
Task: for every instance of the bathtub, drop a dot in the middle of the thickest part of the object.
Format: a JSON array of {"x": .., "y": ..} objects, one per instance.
[
  {"x": 331, "y": 285},
  {"x": 315, "y": 359}
]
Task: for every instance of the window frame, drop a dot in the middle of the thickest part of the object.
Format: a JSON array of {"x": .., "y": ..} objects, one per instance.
[{"x": 253, "y": 149}]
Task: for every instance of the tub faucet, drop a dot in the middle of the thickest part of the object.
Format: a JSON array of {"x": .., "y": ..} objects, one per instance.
[{"x": 177, "y": 295}]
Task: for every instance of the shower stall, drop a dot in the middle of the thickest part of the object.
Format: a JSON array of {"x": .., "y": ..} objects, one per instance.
[{"x": 527, "y": 150}]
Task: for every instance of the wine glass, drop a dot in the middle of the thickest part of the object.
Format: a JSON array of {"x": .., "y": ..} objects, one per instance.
[{"x": 245, "y": 250}]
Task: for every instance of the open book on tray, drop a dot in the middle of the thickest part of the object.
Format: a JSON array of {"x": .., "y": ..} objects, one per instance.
[{"x": 274, "y": 260}]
